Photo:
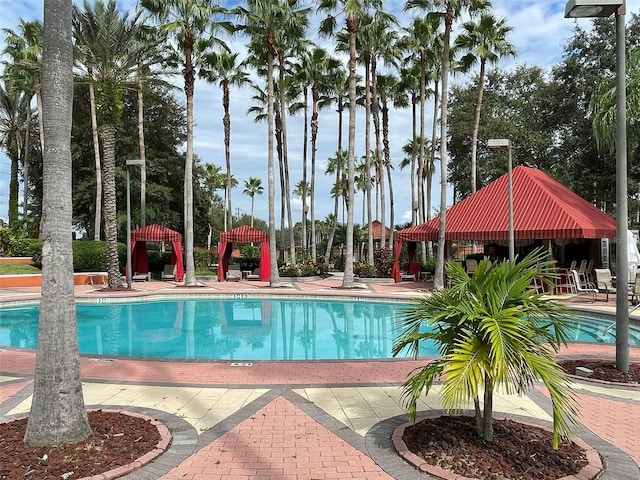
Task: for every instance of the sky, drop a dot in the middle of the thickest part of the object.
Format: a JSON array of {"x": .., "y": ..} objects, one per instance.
[{"x": 539, "y": 33}]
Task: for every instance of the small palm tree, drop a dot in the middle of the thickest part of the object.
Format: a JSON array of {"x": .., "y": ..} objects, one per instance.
[
  {"x": 491, "y": 331},
  {"x": 253, "y": 187}
]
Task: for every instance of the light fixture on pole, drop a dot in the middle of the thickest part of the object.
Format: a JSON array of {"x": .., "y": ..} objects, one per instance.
[
  {"x": 506, "y": 143},
  {"x": 605, "y": 8},
  {"x": 128, "y": 165}
]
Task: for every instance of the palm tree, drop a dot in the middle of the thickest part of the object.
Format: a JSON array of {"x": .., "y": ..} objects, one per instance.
[
  {"x": 268, "y": 23},
  {"x": 486, "y": 41},
  {"x": 253, "y": 187},
  {"x": 13, "y": 104},
  {"x": 450, "y": 11},
  {"x": 189, "y": 22},
  {"x": 225, "y": 69},
  {"x": 58, "y": 413},
  {"x": 213, "y": 180},
  {"x": 491, "y": 332},
  {"x": 25, "y": 50},
  {"x": 388, "y": 88},
  {"x": 303, "y": 190},
  {"x": 353, "y": 12},
  {"x": 107, "y": 40},
  {"x": 320, "y": 69}
]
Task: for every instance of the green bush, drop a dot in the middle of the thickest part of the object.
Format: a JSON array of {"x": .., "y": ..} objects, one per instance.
[
  {"x": 250, "y": 251},
  {"x": 89, "y": 256},
  {"x": 202, "y": 258},
  {"x": 157, "y": 260},
  {"x": 364, "y": 270}
]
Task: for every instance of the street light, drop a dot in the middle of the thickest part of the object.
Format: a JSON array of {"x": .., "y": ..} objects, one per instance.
[
  {"x": 605, "y": 8},
  {"x": 128, "y": 164},
  {"x": 506, "y": 143}
]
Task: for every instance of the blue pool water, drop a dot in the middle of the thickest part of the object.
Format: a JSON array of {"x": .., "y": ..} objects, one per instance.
[{"x": 247, "y": 329}]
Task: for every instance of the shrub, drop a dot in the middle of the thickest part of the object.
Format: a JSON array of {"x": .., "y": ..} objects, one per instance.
[
  {"x": 383, "y": 261},
  {"x": 157, "y": 260},
  {"x": 202, "y": 258},
  {"x": 290, "y": 271},
  {"x": 364, "y": 270},
  {"x": 90, "y": 256}
]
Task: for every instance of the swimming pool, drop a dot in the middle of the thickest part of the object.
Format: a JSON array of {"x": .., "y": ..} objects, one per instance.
[{"x": 246, "y": 329}]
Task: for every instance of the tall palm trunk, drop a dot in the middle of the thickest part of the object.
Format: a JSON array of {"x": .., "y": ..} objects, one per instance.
[
  {"x": 13, "y": 188},
  {"x": 438, "y": 282},
  {"x": 25, "y": 162},
  {"x": 476, "y": 127},
  {"x": 274, "y": 281},
  {"x": 336, "y": 202},
  {"x": 352, "y": 28},
  {"x": 285, "y": 159},
  {"x": 305, "y": 136},
  {"x": 58, "y": 413},
  {"x": 108, "y": 134},
  {"x": 387, "y": 162},
  {"x": 189, "y": 86},
  {"x": 97, "y": 226},
  {"x": 375, "y": 108},
  {"x": 226, "y": 122},
  {"x": 367, "y": 156},
  {"x": 143, "y": 156}
]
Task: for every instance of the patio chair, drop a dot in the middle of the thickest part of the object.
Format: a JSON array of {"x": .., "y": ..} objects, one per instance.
[
  {"x": 604, "y": 283},
  {"x": 635, "y": 292},
  {"x": 581, "y": 288},
  {"x": 470, "y": 265},
  {"x": 169, "y": 272}
]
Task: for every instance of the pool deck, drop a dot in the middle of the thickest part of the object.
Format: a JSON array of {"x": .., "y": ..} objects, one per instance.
[{"x": 303, "y": 420}]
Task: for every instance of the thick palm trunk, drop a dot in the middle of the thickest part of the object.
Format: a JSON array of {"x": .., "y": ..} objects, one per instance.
[
  {"x": 108, "y": 133},
  {"x": 143, "y": 157},
  {"x": 58, "y": 413},
  {"x": 487, "y": 418},
  {"x": 97, "y": 226}
]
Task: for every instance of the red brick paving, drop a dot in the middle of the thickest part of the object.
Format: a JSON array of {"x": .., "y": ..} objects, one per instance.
[{"x": 278, "y": 442}]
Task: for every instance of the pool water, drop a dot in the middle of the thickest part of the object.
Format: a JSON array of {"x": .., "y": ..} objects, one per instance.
[{"x": 245, "y": 330}]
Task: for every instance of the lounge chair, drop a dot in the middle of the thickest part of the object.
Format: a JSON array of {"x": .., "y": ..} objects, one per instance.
[
  {"x": 255, "y": 275},
  {"x": 169, "y": 272},
  {"x": 234, "y": 273},
  {"x": 141, "y": 277}
]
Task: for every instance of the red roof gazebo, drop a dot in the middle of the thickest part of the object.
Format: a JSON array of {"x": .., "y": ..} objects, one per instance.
[
  {"x": 542, "y": 209},
  {"x": 155, "y": 233}
]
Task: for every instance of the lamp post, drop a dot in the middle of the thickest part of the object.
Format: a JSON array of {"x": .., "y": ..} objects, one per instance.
[
  {"x": 506, "y": 143},
  {"x": 128, "y": 165},
  {"x": 605, "y": 8}
]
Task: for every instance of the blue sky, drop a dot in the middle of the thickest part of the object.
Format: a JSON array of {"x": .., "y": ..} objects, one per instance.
[{"x": 539, "y": 33}]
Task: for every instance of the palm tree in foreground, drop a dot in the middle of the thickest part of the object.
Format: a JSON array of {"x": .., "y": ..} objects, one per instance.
[
  {"x": 492, "y": 332},
  {"x": 58, "y": 413}
]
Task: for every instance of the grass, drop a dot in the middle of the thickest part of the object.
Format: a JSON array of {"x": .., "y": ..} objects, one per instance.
[{"x": 17, "y": 269}]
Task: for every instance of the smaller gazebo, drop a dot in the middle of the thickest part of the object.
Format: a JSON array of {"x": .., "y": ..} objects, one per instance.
[
  {"x": 155, "y": 233},
  {"x": 244, "y": 234}
]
